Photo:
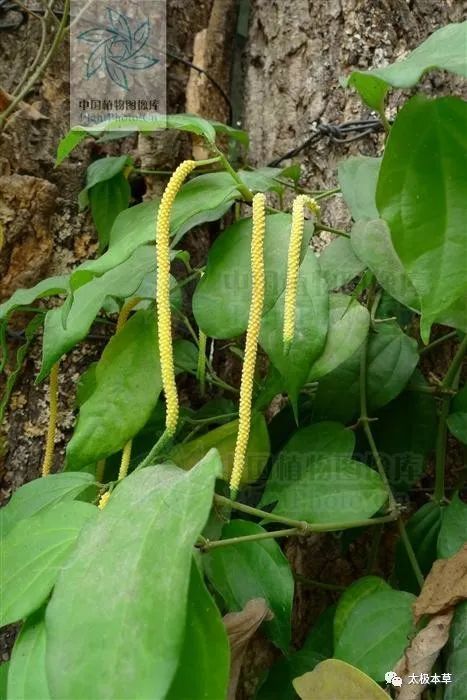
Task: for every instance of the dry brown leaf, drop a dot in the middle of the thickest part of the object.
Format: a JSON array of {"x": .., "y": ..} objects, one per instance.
[
  {"x": 422, "y": 653},
  {"x": 240, "y": 628},
  {"x": 445, "y": 585},
  {"x": 5, "y": 100}
]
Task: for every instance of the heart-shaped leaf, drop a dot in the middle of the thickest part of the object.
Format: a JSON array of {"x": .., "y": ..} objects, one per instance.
[
  {"x": 443, "y": 50},
  {"x": 376, "y": 632},
  {"x": 306, "y": 447},
  {"x": 358, "y": 590},
  {"x": 358, "y": 177},
  {"x": 348, "y": 327},
  {"x": 338, "y": 263}
]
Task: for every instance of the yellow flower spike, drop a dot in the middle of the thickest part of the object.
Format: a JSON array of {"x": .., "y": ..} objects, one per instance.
[
  {"x": 164, "y": 316},
  {"x": 293, "y": 264},
  {"x": 52, "y": 428},
  {"x": 104, "y": 499},
  {"x": 251, "y": 344}
]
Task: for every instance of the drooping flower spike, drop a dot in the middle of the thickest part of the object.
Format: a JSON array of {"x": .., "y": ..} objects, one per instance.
[
  {"x": 52, "y": 427},
  {"x": 293, "y": 264},
  {"x": 164, "y": 315},
  {"x": 251, "y": 344}
]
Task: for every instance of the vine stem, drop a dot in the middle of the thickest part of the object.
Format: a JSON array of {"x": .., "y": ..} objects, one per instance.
[
  {"x": 208, "y": 545},
  {"x": 323, "y": 227},
  {"x": 301, "y": 526},
  {"x": 365, "y": 422},
  {"x": 242, "y": 188},
  {"x": 449, "y": 383}
]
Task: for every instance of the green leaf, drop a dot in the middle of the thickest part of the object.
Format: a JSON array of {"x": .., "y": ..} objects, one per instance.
[
  {"x": 335, "y": 680},
  {"x": 27, "y": 678},
  {"x": 66, "y": 326},
  {"x": 345, "y": 492},
  {"x": 372, "y": 89},
  {"x": 236, "y": 134},
  {"x": 264, "y": 179},
  {"x": 128, "y": 385},
  {"x": 40, "y": 494},
  {"x": 25, "y": 297},
  {"x": 453, "y": 528},
  {"x": 305, "y": 448},
  {"x": 358, "y": 177},
  {"x": 392, "y": 358},
  {"x": 405, "y": 433},
  {"x": 372, "y": 243},
  {"x": 233, "y": 571},
  {"x": 348, "y": 327},
  {"x": 182, "y": 122},
  {"x": 457, "y": 419},
  {"x": 107, "y": 607},
  {"x": 358, "y": 590},
  {"x": 107, "y": 200},
  {"x": 223, "y": 439},
  {"x": 222, "y": 298},
  {"x": 339, "y": 264},
  {"x": 311, "y": 327},
  {"x": 423, "y": 528},
  {"x": 423, "y": 200},
  {"x": 101, "y": 171},
  {"x": 443, "y": 50},
  {"x": 314, "y": 479},
  {"x": 203, "y": 199},
  {"x": 203, "y": 670},
  {"x": 457, "y": 658},
  {"x": 33, "y": 553},
  {"x": 377, "y": 632}
]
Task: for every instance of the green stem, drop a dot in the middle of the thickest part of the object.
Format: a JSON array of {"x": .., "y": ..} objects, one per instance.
[
  {"x": 437, "y": 342},
  {"x": 208, "y": 545},
  {"x": 434, "y": 390},
  {"x": 164, "y": 440},
  {"x": 410, "y": 552},
  {"x": 302, "y": 526},
  {"x": 201, "y": 369},
  {"x": 325, "y": 194},
  {"x": 323, "y": 227},
  {"x": 312, "y": 583},
  {"x": 242, "y": 188},
  {"x": 456, "y": 364}
]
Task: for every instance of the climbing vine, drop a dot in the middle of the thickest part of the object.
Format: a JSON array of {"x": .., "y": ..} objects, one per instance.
[{"x": 166, "y": 514}]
